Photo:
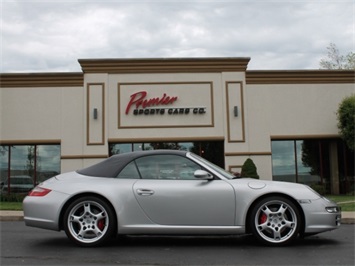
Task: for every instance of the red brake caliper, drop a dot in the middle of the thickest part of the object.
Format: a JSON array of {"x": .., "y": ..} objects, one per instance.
[
  {"x": 263, "y": 218},
  {"x": 101, "y": 224}
]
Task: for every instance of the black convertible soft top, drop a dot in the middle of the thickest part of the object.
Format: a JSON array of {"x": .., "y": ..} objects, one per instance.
[{"x": 112, "y": 166}]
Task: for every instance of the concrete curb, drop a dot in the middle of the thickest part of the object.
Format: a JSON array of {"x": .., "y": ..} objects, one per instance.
[
  {"x": 346, "y": 217},
  {"x": 11, "y": 216}
]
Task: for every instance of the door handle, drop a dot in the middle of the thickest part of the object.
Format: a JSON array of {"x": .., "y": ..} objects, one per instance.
[{"x": 145, "y": 192}]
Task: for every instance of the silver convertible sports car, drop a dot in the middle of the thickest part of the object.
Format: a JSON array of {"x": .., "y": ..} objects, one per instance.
[{"x": 174, "y": 193}]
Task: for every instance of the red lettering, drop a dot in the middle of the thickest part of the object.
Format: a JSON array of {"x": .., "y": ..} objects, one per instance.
[
  {"x": 138, "y": 99},
  {"x": 134, "y": 101}
]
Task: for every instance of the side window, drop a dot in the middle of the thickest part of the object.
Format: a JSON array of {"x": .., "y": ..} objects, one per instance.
[
  {"x": 129, "y": 172},
  {"x": 166, "y": 167}
]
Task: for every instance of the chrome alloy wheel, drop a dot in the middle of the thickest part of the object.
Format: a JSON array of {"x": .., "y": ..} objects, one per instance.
[
  {"x": 276, "y": 221},
  {"x": 87, "y": 222}
]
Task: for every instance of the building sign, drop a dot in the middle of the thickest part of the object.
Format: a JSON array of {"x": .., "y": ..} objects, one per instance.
[
  {"x": 139, "y": 100},
  {"x": 151, "y": 106},
  {"x": 165, "y": 104}
]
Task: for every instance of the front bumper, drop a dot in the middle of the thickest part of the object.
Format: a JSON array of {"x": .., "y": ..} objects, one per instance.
[{"x": 321, "y": 215}]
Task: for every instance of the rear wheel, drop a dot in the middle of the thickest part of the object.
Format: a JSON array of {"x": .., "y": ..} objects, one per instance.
[
  {"x": 275, "y": 221},
  {"x": 89, "y": 221}
]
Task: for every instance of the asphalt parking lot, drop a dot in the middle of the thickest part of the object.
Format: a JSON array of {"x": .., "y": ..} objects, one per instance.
[{"x": 21, "y": 245}]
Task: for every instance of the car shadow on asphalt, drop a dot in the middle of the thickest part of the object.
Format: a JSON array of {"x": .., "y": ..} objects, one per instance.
[
  {"x": 191, "y": 241},
  {"x": 182, "y": 241}
]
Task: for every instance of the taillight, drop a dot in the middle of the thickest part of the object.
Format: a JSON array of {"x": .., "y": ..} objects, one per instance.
[{"x": 39, "y": 192}]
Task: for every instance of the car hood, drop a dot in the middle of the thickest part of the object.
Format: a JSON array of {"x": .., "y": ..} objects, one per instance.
[{"x": 295, "y": 190}]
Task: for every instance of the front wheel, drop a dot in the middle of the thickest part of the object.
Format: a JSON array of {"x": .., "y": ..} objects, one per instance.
[
  {"x": 89, "y": 221},
  {"x": 275, "y": 221}
]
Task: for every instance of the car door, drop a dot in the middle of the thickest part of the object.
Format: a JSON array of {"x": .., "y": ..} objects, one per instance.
[{"x": 169, "y": 194}]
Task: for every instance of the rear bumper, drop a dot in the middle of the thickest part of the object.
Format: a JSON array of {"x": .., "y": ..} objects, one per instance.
[{"x": 44, "y": 212}]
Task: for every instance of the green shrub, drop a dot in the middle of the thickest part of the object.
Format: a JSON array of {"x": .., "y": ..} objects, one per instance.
[
  {"x": 249, "y": 169},
  {"x": 319, "y": 188},
  {"x": 346, "y": 120},
  {"x": 13, "y": 197}
]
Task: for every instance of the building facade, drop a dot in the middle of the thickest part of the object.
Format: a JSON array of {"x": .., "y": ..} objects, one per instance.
[{"x": 285, "y": 121}]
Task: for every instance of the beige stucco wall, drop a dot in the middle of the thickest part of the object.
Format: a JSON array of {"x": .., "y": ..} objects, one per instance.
[
  {"x": 45, "y": 114},
  {"x": 287, "y": 110},
  {"x": 295, "y": 109},
  {"x": 264, "y": 111},
  {"x": 42, "y": 114}
]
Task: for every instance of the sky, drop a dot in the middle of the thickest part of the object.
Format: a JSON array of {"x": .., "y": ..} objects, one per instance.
[{"x": 51, "y": 35}]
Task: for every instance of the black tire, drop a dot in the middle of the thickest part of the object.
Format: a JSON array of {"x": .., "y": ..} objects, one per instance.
[
  {"x": 89, "y": 221},
  {"x": 275, "y": 221}
]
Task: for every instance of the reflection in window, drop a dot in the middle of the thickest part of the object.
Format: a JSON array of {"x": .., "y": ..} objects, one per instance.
[
  {"x": 117, "y": 148},
  {"x": 166, "y": 167},
  {"x": 22, "y": 160},
  {"x": 308, "y": 164},
  {"x": 283, "y": 161},
  {"x": 120, "y": 148},
  {"x": 30, "y": 162},
  {"x": 346, "y": 161},
  {"x": 48, "y": 161},
  {"x": 297, "y": 161},
  {"x": 4, "y": 161},
  {"x": 129, "y": 172}
]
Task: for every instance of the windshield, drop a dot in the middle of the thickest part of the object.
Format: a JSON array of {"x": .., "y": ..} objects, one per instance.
[{"x": 214, "y": 167}]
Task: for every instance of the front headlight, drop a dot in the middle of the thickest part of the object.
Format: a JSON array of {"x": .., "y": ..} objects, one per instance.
[{"x": 334, "y": 209}]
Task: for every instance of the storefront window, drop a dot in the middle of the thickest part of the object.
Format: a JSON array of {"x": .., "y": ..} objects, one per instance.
[
  {"x": 298, "y": 161},
  {"x": 308, "y": 162},
  {"x": 346, "y": 161},
  {"x": 24, "y": 166},
  {"x": 4, "y": 163},
  {"x": 120, "y": 148},
  {"x": 22, "y": 160},
  {"x": 48, "y": 161},
  {"x": 283, "y": 160}
]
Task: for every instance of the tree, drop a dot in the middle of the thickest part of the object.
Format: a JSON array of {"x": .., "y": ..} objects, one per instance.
[
  {"x": 337, "y": 61},
  {"x": 249, "y": 169},
  {"x": 346, "y": 120}
]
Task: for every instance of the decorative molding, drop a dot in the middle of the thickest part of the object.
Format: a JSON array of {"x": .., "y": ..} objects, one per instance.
[
  {"x": 299, "y": 76},
  {"x": 88, "y": 112},
  {"x": 262, "y": 153},
  {"x": 293, "y": 137},
  {"x": 79, "y": 157},
  {"x": 29, "y": 80},
  {"x": 30, "y": 142},
  {"x": 172, "y": 139},
  {"x": 164, "y": 65},
  {"x": 242, "y": 139}
]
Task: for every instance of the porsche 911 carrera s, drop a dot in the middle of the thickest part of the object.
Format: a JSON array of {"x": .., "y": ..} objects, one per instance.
[{"x": 174, "y": 193}]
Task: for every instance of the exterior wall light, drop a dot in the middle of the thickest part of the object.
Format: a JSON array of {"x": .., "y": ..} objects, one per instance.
[
  {"x": 236, "y": 111},
  {"x": 95, "y": 113}
]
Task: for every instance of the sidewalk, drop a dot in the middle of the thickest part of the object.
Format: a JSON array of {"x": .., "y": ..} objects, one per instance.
[{"x": 346, "y": 217}]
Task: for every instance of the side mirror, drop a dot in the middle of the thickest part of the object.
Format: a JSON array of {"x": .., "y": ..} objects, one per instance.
[{"x": 203, "y": 175}]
